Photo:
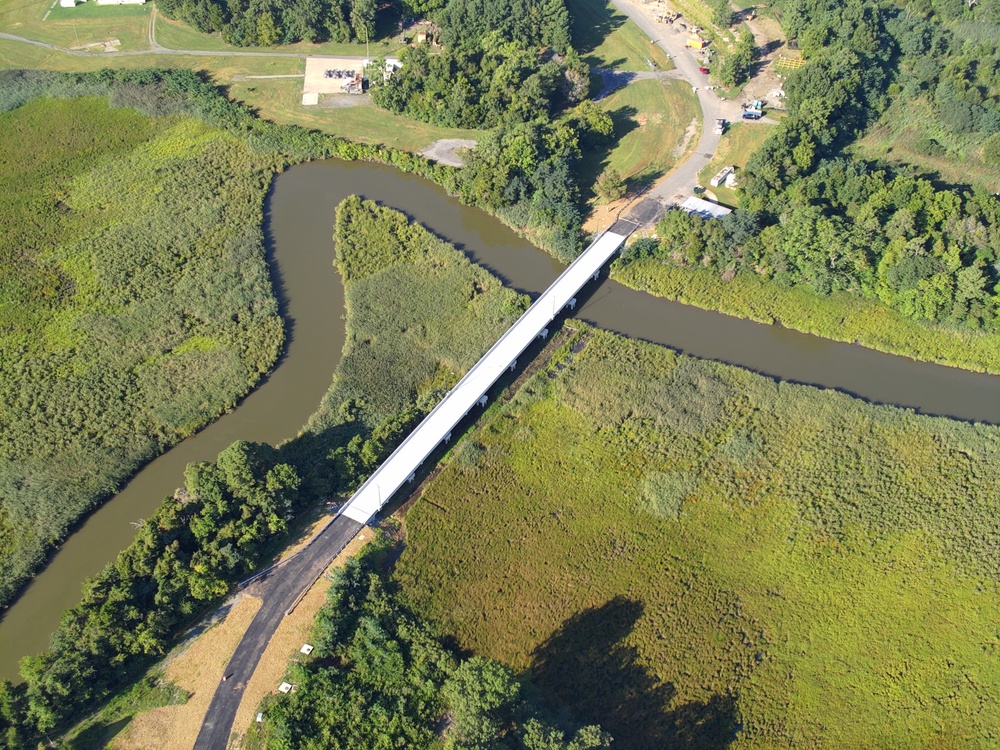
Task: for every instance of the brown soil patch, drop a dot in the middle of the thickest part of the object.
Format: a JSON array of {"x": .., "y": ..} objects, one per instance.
[
  {"x": 689, "y": 133},
  {"x": 602, "y": 217},
  {"x": 284, "y": 646},
  {"x": 197, "y": 668}
]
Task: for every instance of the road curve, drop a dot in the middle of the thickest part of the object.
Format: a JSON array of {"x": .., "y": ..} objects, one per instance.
[
  {"x": 279, "y": 590},
  {"x": 685, "y": 175}
]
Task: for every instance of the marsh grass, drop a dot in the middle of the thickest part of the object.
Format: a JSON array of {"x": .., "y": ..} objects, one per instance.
[
  {"x": 135, "y": 302},
  {"x": 705, "y": 558}
]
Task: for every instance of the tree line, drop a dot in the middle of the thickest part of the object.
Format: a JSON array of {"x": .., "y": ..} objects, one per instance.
[
  {"x": 380, "y": 676},
  {"x": 812, "y": 214}
]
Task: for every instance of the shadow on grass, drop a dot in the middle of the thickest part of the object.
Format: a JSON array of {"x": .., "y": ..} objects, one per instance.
[
  {"x": 98, "y": 735},
  {"x": 587, "y": 668},
  {"x": 591, "y": 21},
  {"x": 595, "y": 156}
]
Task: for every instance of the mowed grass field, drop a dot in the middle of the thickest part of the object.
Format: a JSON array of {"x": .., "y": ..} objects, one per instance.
[
  {"x": 280, "y": 100},
  {"x": 651, "y": 118},
  {"x": 177, "y": 35},
  {"x": 607, "y": 39},
  {"x": 73, "y": 27},
  {"x": 699, "y": 557}
]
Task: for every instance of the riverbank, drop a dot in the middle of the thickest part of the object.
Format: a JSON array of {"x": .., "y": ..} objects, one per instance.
[{"x": 838, "y": 317}]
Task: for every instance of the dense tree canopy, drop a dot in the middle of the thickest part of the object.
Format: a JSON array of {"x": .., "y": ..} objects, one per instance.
[{"x": 813, "y": 214}]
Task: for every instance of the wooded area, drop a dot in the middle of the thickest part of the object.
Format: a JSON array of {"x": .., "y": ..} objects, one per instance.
[
  {"x": 813, "y": 214},
  {"x": 380, "y": 677}
]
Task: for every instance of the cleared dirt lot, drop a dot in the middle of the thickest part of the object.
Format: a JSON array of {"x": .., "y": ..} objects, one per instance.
[
  {"x": 448, "y": 150},
  {"x": 317, "y": 83}
]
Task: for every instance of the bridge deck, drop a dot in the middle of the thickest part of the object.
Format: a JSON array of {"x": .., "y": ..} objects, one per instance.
[{"x": 437, "y": 425}]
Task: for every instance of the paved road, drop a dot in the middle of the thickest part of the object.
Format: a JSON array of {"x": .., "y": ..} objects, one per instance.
[
  {"x": 678, "y": 184},
  {"x": 279, "y": 590}
]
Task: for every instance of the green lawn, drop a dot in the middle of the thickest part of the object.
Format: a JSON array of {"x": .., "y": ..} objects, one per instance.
[
  {"x": 607, "y": 39},
  {"x": 738, "y": 143},
  {"x": 72, "y": 27},
  {"x": 280, "y": 100},
  {"x": 651, "y": 118},
  {"x": 177, "y": 35},
  {"x": 693, "y": 553}
]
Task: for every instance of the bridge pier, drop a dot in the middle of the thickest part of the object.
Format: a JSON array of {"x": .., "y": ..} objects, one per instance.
[
  {"x": 544, "y": 333},
  {"x": 411, "y": 477},
  {"x": 571, "y": 304},
  {"x": 482, "y": 401},
  {"x": 513, "y": 365},
  {"x": 447, "y": 438}
]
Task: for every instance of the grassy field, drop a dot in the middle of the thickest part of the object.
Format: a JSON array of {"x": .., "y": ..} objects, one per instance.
[
  {"x": 703, "y": 558},
  {"x": 841, "y": 317},
  {"x": 280, "y": 100},
  {"x": 17, "y": 55},
  {"x": 651, "y": 118},
  {"x": 736, "y": 146},
  {"x": 896, "y": 136},
  {"x": 135, "y": 303},
  {"x": 607, "y": 39},
  {"x": 73, "y": 27},
  {"x": 176, "y": 35}
]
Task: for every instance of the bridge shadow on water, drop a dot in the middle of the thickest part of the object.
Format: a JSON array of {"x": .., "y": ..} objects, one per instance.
[{"x": 587, "y": 668}]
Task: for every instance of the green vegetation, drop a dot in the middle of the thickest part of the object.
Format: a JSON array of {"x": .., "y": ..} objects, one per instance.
[
  {"x": 502, "y": 79},
  {"x": 179, "y": 35},
  {"x": 264, "y": 23},
  {"x": 705, "y": 558},
  {"x": 909, "y": 134},
  {"x": 135, "y": 304},
  {"x": 736, "y": 146},
  {"x": 840, "y": 316},
  {"x": 813, "y": 217},
  {"x": 419, "y": 314},
  {"x": 279, "y": 100},
  {"x": 607, "y": 39},
  {"x": 88, "y": 23},
  {"x": 149, "y": 692},
  {"x": 380, "y": 678},
  {"x": 651, "y": 121}
]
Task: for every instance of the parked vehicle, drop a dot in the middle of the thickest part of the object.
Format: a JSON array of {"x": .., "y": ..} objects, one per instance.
[
  {"x": 752, "y": 114},
  {"x": 703, "y": 71}
]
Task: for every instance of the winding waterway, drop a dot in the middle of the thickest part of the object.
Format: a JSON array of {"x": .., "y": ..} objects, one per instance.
[{"x": 299, "y": 223}]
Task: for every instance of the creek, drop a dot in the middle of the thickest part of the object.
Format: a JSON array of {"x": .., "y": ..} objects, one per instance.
[{"x": 299, "y": 223}]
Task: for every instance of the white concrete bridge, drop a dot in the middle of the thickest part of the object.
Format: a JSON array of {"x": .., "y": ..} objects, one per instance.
[{"x": 436, "y": 427}]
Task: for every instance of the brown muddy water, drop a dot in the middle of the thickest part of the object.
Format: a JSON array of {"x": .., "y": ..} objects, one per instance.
[{"x": 300, "y": 222}]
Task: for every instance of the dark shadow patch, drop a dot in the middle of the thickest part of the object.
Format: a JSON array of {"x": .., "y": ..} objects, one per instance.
[
  {"x": 587, "y": 669},
  {"x": 99, "y": 735}
]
